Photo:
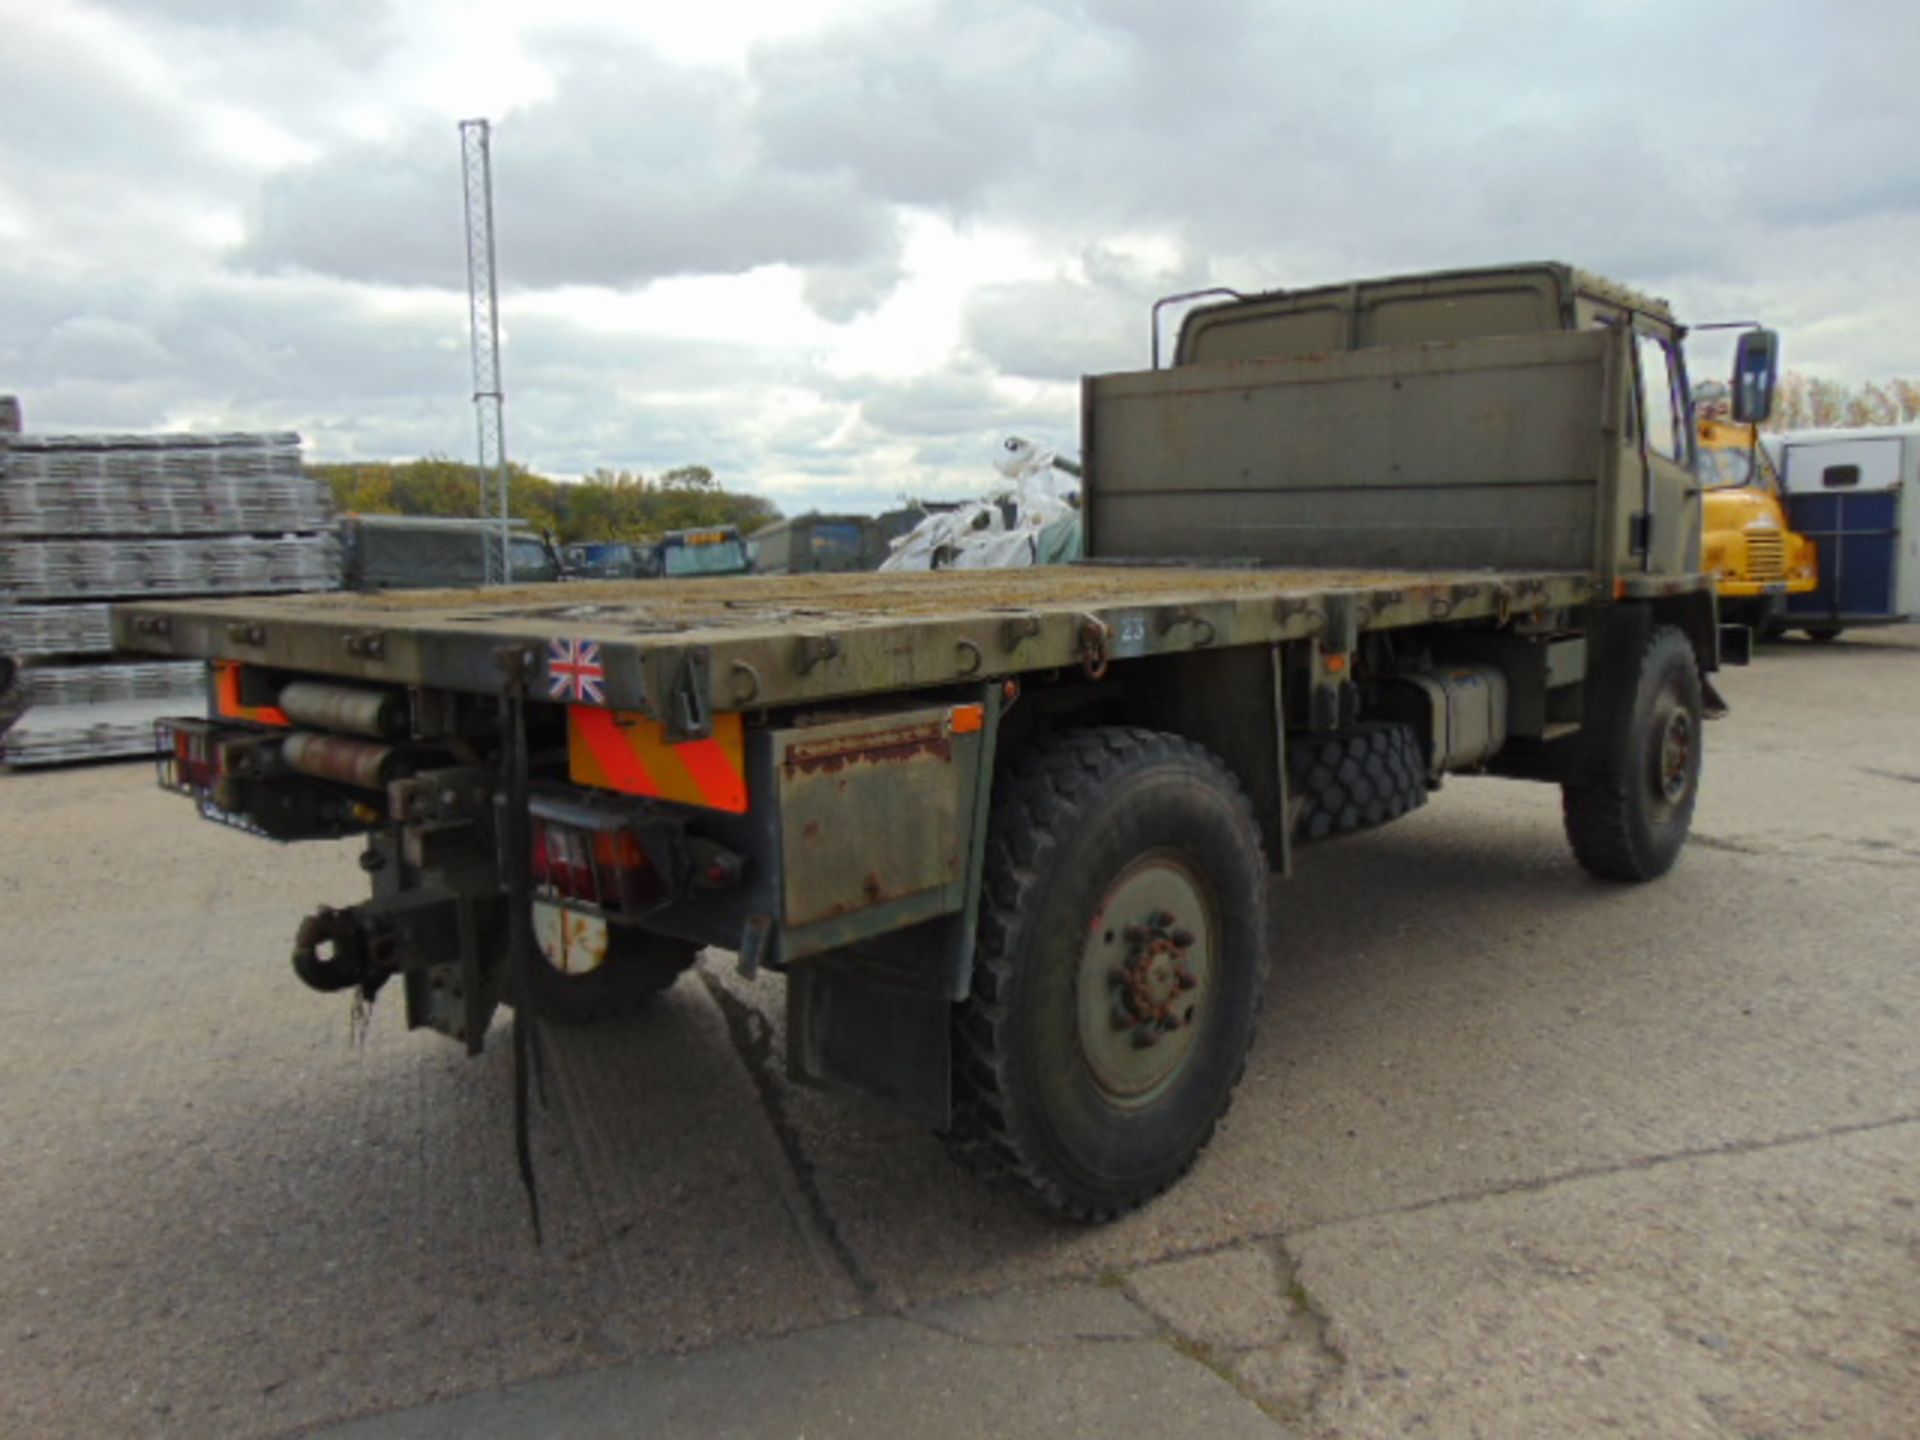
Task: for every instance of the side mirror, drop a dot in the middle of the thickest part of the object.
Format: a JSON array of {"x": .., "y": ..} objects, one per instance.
[{"x": 1756, "y": 364}]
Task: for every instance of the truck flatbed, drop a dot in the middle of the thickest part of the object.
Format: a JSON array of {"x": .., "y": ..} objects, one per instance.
[{"x": 782, "y": 640}]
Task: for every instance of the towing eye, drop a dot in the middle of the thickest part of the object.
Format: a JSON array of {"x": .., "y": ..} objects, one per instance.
[{"x": 346, "y": 963}]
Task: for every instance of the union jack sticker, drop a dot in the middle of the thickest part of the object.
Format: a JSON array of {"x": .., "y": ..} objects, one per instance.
[{"x": 574, "y": 671}]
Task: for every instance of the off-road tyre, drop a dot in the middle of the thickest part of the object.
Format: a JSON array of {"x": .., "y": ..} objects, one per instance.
[
  {"x": 1628, "y": 805},
  {"x": 1086, "y": 829},
  {"x": 1347, "y": 780},
  {"x": 639, "y": 965}
]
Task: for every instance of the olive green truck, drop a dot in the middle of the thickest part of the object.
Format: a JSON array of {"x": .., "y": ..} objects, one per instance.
[{"x": 1007, "y": 836}]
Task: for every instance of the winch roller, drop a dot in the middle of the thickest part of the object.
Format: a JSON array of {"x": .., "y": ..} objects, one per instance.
[
  {"x": 335, "y": 757},
  {"x": 380, "y": 714}
]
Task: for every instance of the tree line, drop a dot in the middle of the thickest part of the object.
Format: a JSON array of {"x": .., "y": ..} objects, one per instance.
[
  {"x": 606, "y": 505},
  {"x": 1804, "y": 403}
]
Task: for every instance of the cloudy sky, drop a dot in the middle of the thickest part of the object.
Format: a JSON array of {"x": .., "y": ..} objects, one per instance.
[{"x": 835, "y": 249}]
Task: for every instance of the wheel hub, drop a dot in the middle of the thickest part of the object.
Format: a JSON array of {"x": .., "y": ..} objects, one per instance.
[
  {"x": 1153, "y": 977},
  {"x": 1676, "y": 757},
  {"x": 1143, "y": 980}
]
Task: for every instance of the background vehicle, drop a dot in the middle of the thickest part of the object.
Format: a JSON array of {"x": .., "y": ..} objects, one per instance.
[
  {"x": 714, "y": 550},
  {"x": 612, "y": 560},
  {"x": 1755, "y": 558},
  {"x": 1856, "y": 494},
  {"x": 403, "y": 552},
  {"x": 815, "y": 543},
  {"x": 1008, "y": 834}
]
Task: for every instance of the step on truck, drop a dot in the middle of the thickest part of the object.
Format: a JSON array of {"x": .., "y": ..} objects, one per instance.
[{"x": 1007, "y": 836}]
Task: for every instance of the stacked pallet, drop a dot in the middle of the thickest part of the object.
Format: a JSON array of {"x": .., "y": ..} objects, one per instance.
[{"x": 89, "y": 519}]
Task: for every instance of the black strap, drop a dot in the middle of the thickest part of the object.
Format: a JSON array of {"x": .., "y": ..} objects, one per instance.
[{"x": 517, "y": 859}]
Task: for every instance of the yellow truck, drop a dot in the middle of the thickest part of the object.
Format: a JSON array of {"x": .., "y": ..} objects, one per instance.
[{"x": 1755, "y": 560}]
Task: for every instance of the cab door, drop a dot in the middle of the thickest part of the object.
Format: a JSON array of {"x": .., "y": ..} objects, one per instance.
[{"x": 1666, "y": 528}]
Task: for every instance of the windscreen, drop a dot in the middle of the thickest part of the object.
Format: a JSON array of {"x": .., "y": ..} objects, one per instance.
[{"x": 1724, "y": 469}]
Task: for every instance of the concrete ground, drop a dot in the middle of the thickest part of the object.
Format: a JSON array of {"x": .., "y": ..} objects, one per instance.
[{"x": 1517, "y": 1154}]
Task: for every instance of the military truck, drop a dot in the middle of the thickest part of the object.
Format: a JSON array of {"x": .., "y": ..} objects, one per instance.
[
  {"x": 1008, "y": 835},
  {"x": 409, "y": 552}
]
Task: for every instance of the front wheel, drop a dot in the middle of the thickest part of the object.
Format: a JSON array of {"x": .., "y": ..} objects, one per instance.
[
  {"x": 1121, "y": 965},
  {"x": 1630, "y": 805}
]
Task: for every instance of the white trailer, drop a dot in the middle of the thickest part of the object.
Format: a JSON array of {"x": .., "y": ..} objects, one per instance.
[{"x": 1856, "y": 494}]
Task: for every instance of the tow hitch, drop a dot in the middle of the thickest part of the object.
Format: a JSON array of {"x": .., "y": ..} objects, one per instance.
[
  {"x": 434, "y": 937},
  {"x": 334, "y": 951}
]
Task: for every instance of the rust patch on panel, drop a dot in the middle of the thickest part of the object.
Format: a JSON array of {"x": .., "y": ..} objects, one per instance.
[{"x": 873, "y": 747}]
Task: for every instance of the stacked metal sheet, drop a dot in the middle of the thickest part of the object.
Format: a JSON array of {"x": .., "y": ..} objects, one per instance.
[
  {"x": 52, "y": 568},
  {"x": 62, "y": 734},
  {"x": 164, "y": 504},
  {"x": 55, "y": 629},
  {"x": 87, "y": 519},
  {"x": 112, "y": 683}
]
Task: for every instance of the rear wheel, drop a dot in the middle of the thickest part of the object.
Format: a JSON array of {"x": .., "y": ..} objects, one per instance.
[
  {"x": 1630, "y": 805},
  {"x": 637, "y": 967},
  {"x": 1120, "y": 969}
]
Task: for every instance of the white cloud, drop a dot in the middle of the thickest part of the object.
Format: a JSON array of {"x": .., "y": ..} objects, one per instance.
[{"x": 838, "y": 249}]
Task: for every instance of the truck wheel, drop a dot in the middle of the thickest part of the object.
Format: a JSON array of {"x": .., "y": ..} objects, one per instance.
[
  {"x": 1630, "y": 803},
  {"x": 1120, "y": 968},
  {"x": 639, "y": 965},
  {"x": 1354, "y": 779}
]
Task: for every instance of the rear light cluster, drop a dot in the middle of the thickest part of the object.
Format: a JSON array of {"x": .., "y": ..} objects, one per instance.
[
  {"x": 592, "y": 862},
  {"x": 186, "y": 756}
]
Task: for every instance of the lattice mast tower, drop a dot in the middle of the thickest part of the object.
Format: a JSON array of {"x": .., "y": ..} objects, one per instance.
[{"x": 483, "y": 305}]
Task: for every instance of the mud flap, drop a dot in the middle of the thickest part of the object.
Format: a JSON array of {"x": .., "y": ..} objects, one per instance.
[{"x": 875, "y": 1030}]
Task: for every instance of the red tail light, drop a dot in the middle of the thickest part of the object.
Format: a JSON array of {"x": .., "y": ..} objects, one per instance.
[
  {"x": 187, "y": 756},
  {"x": 605, "y": 866}
]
